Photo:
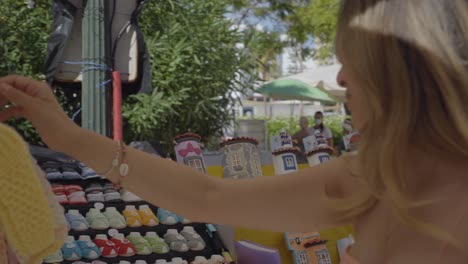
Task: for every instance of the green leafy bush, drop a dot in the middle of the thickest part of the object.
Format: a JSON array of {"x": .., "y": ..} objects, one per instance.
[{"x": 195, "y": 67}]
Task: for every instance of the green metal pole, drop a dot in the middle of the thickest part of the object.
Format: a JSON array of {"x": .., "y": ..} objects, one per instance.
[{"x": 96, "y": 92}]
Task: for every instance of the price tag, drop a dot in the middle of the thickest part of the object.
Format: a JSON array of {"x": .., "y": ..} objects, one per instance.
[
  {"x": 113, "y": 232},
  {"x": 99, "y": 206}
]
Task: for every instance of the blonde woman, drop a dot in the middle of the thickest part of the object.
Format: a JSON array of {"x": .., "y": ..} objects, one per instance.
[{"x": 405, "y": 65}]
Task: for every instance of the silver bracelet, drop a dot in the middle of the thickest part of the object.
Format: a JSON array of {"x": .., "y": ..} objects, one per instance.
[{"x": 116, "y": 161}]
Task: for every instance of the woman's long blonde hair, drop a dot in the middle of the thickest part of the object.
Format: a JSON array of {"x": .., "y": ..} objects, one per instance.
[{"x": 412, "y": 58}]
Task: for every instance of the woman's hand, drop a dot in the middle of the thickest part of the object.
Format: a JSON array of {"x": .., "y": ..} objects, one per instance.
[{"x": 36, "y": 102}]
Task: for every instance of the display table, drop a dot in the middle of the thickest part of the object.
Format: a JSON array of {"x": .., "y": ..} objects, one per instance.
[{"x": 277, "y": 240}]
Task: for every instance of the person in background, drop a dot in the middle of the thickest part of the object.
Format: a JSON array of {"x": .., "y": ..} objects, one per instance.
[
  {"x": 351, "y": 137},
  {"x": 321, "y": 128},
  {"x": 347, "y": 128},
  {"x": 302, "y": 133}
]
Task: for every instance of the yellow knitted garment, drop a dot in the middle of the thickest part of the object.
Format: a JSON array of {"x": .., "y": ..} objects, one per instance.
[{"x": 26, "y": 219}]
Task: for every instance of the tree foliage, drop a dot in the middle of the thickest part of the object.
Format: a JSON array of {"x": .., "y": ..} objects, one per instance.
[
  {"x": 23, "y": 37},
  {"x": 317, "y": 19},
  {"x": 301, "y": 20},
  {"x": 264, "y": 47},
  {"x": 23, "y": 43},
  {"x": 265, "y": 43}
]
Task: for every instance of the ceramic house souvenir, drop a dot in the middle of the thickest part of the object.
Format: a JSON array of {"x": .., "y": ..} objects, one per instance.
[
  {"x": 188, "y": 151},
  {"x": 241, "y": 158},
  {"x": 284, "y": 154},
  {"x": 317, "y": 150}
]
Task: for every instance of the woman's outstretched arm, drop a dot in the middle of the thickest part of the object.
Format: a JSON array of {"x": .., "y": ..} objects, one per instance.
[{"x": 294, "y": 203}]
